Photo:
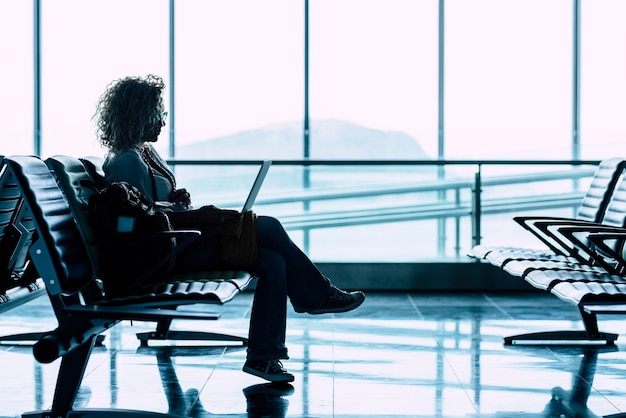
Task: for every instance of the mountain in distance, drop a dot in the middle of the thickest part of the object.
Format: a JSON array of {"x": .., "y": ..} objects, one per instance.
[{"x": 330, "y": 139}]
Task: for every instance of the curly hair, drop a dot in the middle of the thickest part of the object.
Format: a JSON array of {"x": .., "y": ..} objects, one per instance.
[{"x": 129, "y": 109}]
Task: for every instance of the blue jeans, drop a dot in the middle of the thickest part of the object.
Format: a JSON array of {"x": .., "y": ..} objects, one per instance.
[{"x": 283, "y": 270}]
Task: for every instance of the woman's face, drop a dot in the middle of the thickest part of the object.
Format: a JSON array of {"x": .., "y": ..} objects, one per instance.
[{"x": 152, "y": 133}]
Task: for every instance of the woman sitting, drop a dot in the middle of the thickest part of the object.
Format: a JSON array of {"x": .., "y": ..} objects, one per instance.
[{"x": 129, "y": 118}]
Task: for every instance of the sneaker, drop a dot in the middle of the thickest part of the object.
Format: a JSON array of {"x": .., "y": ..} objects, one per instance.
[
  {"x": 339, "y": 301},
  {"x": 271, "y": 370}
]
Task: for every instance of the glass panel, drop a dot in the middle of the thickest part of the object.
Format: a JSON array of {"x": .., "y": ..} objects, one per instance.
[
  {"x": 239, "y": 79},
  {"x": 394, "y": 213},
  {"x": 373, "y": 79},
  {"x": 375, "y": 213},
  {"x": 508, "y": 76},
  {"x": 101, "y": 42},
  {"x": 603, "y": 79},
  {"x": 16, "y": 72},
  {"x": 533, "y": 190}
]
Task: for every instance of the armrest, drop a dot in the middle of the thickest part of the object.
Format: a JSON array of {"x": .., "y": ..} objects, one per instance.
[
  {"x": 579, "y": 235},
  {"x": 600, "y": 240},
  {"x": 184, "y": 234},
  {"x": 551, "y": 230},
  {"x": 539, "y": 227}
]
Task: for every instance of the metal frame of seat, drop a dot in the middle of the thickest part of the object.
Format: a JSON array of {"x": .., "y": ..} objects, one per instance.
[{"x": 595, "y": 291}]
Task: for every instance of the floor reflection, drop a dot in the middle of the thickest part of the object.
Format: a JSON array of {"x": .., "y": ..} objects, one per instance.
[
  {"x": 572, "y": 403},
  {"x": 267, "y": 399},
  {"x": 262, "y": 400},
  {"x": 401, "y": 355},
  {"x": 185, "y": 403}
]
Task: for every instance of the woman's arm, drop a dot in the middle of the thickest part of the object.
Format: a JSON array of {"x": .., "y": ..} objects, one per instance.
[{"x": 129, "y": 167}]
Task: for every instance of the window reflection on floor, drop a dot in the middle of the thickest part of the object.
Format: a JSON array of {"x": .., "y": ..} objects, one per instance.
[{"x": 400, "y": 354}]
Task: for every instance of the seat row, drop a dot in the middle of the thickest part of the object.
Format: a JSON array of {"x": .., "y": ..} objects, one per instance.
[
  {"x": 579, "y": 260},
  {"x": 54, "y": 196},
  {"x": 19, "y": 280}
]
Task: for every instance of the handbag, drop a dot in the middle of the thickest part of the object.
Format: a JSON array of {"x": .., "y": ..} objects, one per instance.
[
  {"x": 238, "y": 239},
  {"x": 133, "y": 250}
]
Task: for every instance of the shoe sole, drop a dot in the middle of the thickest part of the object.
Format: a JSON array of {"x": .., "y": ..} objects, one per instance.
[
  {"x": 269, "y": 389},
  {"x": 285, "y": 378},
  {"x": 348, "y": 308}
]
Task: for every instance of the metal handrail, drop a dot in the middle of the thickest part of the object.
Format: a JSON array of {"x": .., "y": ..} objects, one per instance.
[
  {"x": 444, "y": 210},
  {"x": 430, "y": 186},
  {"x": 310, "y": 162}
]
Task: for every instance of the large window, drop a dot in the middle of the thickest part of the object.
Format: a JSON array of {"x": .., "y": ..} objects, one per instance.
[
  {"x": 239, "y": 79},
  {"x": 603, "y": 78},
  {"x": 16, "y": 73},
  {"x": 373, "y": 73},
  {"x": 373, "y": 79},
  {"x": 508, "y": 79},
  {"x": 85, "y": 46}
]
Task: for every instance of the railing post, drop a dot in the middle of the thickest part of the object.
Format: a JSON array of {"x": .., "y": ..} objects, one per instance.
[
  {"x": 476, "y": 208},
  {"x": 457, "y": 224}
]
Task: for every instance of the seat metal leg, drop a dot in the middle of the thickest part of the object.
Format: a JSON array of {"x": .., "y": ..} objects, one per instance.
[{"x": 591, "y": 336}]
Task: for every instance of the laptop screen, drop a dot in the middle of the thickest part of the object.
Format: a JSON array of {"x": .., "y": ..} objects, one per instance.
[{"x": 258, "y": 182}]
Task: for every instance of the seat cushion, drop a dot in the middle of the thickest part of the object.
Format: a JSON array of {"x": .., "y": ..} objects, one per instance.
[{"x": 216, "y": 287}]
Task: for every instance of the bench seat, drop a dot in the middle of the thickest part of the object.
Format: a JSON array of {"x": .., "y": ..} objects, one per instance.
[
  {"x": 219, "y": 287},
  {"x": 79, "y": 180},
  {"x": 547, "y": 279},
  {"x": 590, "y": 273},
  {"x": 500, "y": 257},
  {"x": 19, "y": 295},
  {"x": 19, "y": 281},
  {"x": 594, "y": 207},
  {"x": 82, "y": 309},
  {"x": 581, "y": 292},
  {"x": 521, "y": 268}
]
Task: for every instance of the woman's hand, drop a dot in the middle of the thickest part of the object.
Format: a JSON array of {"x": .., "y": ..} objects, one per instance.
[
  {"x": 216, "y": 215},
  {"x": 206, "y": 216},
  {"x": 181, "y": 198}
]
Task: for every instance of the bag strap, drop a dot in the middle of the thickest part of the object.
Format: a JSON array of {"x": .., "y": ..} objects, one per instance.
[{"x": 154, "y": 164}]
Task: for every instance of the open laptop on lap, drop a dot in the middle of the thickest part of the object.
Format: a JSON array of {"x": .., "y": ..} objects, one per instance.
[{"x": 256, "y": 187}]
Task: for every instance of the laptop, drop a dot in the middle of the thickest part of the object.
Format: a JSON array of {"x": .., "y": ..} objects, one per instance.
[{"x": 258, "y": 182}]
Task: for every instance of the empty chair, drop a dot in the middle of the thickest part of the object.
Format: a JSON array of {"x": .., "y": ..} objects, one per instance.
[
  {"x": 575, "y": 233},
  {"x": 592, "y": 209}
]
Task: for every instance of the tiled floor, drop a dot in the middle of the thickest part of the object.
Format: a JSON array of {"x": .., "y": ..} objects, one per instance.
[{"x": 400, "y": 354}]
